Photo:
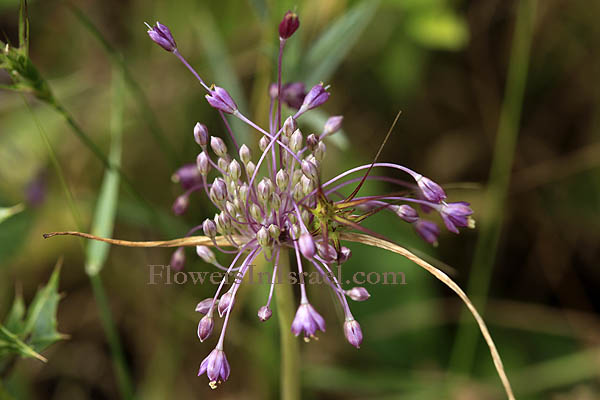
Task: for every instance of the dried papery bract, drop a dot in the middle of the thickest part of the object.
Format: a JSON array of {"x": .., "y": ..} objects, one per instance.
[{"x": 275, "y": 204}]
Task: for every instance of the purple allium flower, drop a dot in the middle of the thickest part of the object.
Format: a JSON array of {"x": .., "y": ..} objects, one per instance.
[
  {"x": 288, "y": 25},
  {"x": 457, "y": 215},
  {"x": 221, "y": 100},
  {"x": 431, "y": 190},
  {"x": 161, "y": 35},
  {"x": 307, "y": 321},
  {"x": 204, "y": 305},
  {"x": 216, "y": 367},
  {"x": 358, "y": 293},
  {"x": 428, "y": 230},
  {"x": 353, "y": 333},
  {"x": 181, "y": 204},
  {"x": 264, "y": 313},
  {"x": 315, "y": 97},
  {"x": 275, "y": 203},
  {"x": 178, "y": 259}
]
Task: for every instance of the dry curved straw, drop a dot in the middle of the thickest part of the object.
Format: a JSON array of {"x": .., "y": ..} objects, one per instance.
[{"x": 351, "y": 237}]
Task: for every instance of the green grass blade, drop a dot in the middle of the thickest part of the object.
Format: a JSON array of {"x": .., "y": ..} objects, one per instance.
[
  {"x": 7, "y": 212},
  {"x": 334, "y": 44}
]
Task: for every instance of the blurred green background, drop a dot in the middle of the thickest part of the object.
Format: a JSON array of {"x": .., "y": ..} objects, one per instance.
[{"x": 500, "y": 101}]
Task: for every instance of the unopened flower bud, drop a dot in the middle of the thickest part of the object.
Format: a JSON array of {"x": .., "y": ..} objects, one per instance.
[
  {"x": 307, "y": 245},
  {"x": 282, "y": 179},
  {"x": 231, "y": 209},
  {"x": 205, "y": 327},
  {"x": 264, "y": 189},
  {"x": 293, "y": 95},
  {"x": 320, "y": 151},
  {"x": 430, "y": 190},
  {"x": 201, "y": 134},
  {"x": 288, "y": 25},
  {"x": 250, "y": 168},
  {"x": 206, "y": 254},
  {"x": 181, "y": 204},
  {"x": 289, "y": 127},
  {"x": 218, "y": 146},
  {"x": 353, "y": 332},
  {"x": 221, "y": 100},
  {"x": 262, "y": 237},
  {"x": 245, "y": 154},
  {"x": 332, "y": 125},
  {"x": 275, "y": 201},
  {"x": 243, "y": 192},
  {"x": 310, "y": 170},
  {"x": 161, "y": 35},
  {"x": 264, "y": 313},
  {"x": 296, "y": 141},
  {"x": 297, "y": 175},
  {"x": 298, "y": 193},
  {"x": 327, "y": 252},
  {"x": 255, "y": 212},
  {"x": 358, "y": 293},
  {"x": 178, "y": 259},
  {"x": 235, "y": 171},
  {"x": 203, "y": 163},
  {"x": 406, "y": 213},
  {"x": 312, "y": 141},
  {"x": 188, "y": 176},
  {"x": 263, "y": 143},
  {"x": 225, "y": 302},
  {"x": 307, "y": 184},
  {"x": 209, "y": 228},
  {"x": 428, "y": 230},
  {"x": 204, "y": 305},
  {"x": 274, "y": 231},
  {"x": 344, "y": 255},
  {"x": 315, "y": 97},
  {"x": 223, "y": 164},
  {"x": 218, "y": 190}
]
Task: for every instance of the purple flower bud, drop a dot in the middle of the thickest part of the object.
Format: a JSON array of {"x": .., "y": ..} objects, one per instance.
[
  {"x": 264, "y": 313},
  {"x": 216, "y": 367},
  {"x": 293, "y": 94},
  {"x": 221, "y": 100},
  {"x": 245, "y": 154},
  {"x": 201, "y": 134},
  {"x": 263, "y": 238},
  {"x": 430, "y": 190},
  {"x": 181, "y": 204},
  {"x": 307, "y": 245},
  {"x": 264, "y": 189},
  {"x": 204, "y": 306},
  {"x": 310, "y": 170},
  {"x": 225, "y": 302},
  {"x": 205, "y": 327},
  {"x": 209, "y": 228},
  {"x": 218, "y": 146},
  {"x": 327, "y": 252},
  {"x": 188, "y": 176},
  {"x": 344, "y": 255},
  {"x": 178, "y": 259},
  {"x": 218, "y": 190},
  {"x": 307, "y": 320},
  {"x": 282, "y": 179},
  {"x": 274, "y": 230},
  {"x": 332, "y": 125},
  {"x": 263, "y": 143},
  {"x": 206, "y": 254},
  {"x": 457, "y": 215},
  {"x": 234, "y": 169},
  {"x": 161, "y": 35},
  {"x": 353, "y": 333},
  {"x": 296, "y": 141},
  {"x": 202, "y": 163},
  {"x": 358, "y": 293},
  {"x": 289, "y": 126},
  {"x": 428, "y": 230},
  {"x": 273, "y": 91},
  {"x": 315, "y": 97},
  {"x": 312, "y": 141},
  {"x": 406, "y": 213},
  {"x": 288, "y": 25}
]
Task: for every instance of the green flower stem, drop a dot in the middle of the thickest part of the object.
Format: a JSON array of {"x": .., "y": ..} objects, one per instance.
[{"x": 290, "y": 355}]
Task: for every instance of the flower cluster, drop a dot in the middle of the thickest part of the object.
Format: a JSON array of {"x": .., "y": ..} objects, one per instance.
[{"x": 276, "y": 202}]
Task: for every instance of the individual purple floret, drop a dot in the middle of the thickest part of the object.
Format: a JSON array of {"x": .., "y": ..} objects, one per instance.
[
  {"x": 288, "y": 25},
  {"x": 216, "y": 367},
  {"x": 307, "y": 321},
  {"x": 315, "y": 97},
  {"x": 161, "y": 35},
  {"x": 457, "y": 215},
  {"x": 428, "y": 231},
  {"x": 353, "y": 333},
  {"x": 221, "y": 100}
]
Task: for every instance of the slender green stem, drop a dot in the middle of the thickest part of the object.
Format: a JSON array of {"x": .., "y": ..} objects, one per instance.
[
  {"x": 463, "y": 352},
  {"x": 112, "y": 336},
  {"x": 290, "y": 356}
]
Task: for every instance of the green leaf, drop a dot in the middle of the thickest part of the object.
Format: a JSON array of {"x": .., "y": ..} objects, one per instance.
[
  {"x": 439, "y": 29},
  {"x": 11, "y": 344},
  {"x": 40, "y": 324},
  {"x": 14, "y": 321},
  {"x": 334, "y": 44},
  {"x": 106, "y": 209},
  {"x": 7, "y": 212}
]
